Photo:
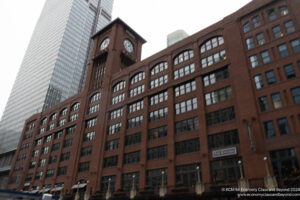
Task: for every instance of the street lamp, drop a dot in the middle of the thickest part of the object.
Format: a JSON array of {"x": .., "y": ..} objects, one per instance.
[
  {"x": 242, "y": 182},
  {"x": 199, "y": 188},
  {"x": 270, "y": 181},
  {"x": 133, "y": 190},
  {"x": 162, "y": 188},
  {"x": 108, "y": 192}
]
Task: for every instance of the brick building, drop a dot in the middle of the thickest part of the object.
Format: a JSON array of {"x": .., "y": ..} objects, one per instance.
[{"x": 228, "y": 93}]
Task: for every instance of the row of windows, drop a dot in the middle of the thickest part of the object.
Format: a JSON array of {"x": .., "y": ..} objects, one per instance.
[
  {"x": 283, "y": 127},
  {"x": 135, "y": 122},
  {"x": 158, "y": 114},
  {"x": 270, "y": 76},
  {"x": 159, "y": 81},
  {"x": 136, "y": 91},
  {"x": 212, "y": 43},
  {"x": 219, "y": 95},
  {"x": 183, "y": 71},
  {"x": 213, "y": 59},
  {"x": 116, "y": 113},
  {"x": 185, "y": 88},
  {"x": 155, "y": 153},
  {"x": 282, "y": 50},
  {"x": 159, "y": 98},
  {"x": 185, "y": 106},
  {"x": 271, "y": 13}
]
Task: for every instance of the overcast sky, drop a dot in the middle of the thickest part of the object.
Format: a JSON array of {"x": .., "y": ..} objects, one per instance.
[{"x": 152, "y": 19}]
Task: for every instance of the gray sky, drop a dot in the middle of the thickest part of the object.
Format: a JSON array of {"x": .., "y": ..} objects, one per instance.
[{"x": 152, "y": 19}]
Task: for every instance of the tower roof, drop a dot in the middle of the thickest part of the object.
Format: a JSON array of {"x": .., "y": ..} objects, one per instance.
[{"x": 118, "y": 20}]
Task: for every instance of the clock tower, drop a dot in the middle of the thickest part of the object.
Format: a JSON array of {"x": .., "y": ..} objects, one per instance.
[{"x": 116, "y": 47}]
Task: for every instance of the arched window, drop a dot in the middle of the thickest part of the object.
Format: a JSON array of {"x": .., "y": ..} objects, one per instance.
[
  {"x": 212, "y": 43},
  {"x": 159, "y": 68},
  {"x": 183, "y": 56},
  {"x": 44, "y": 121},
  {"x": 53, "y": 116},
  {"x": 119, "y": 86},
  {"x": 75, "y": 106},
  {"x": 138, "y": 77},
  {"x": 95, "y": 97},
  {"x": 63, "y": 112},
  {"x": 283, "y": 10}
]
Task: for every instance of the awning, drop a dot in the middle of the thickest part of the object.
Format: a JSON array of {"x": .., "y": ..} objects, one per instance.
[
  {"x": 44, "y": 190},
  {"x": 82, "y": 185},
  {"x": 33, "y": 191},
  {"x": 26, "y": 184},
  {"x": 56, "y": 189}
]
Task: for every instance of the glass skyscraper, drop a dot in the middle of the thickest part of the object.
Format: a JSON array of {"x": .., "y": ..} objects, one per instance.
[{"x": 53, "y": 67}]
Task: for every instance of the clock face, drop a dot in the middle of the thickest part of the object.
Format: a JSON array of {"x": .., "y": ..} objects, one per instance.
[
  {"x": 128, "y": 45},
  {"x": 104, "y": 44}
]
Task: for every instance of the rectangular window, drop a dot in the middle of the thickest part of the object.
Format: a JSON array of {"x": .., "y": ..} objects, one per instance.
[
  {"x": 154, "y": 177},
  {"x": 157, "y": 133},
  {"x": 186, "y": 125},
  {"x": 127, "y": 180},
  {"x": 133, "y": 139},
  {"x": 296, "y": 95},
  {"x": 225, "y": 171},
  {"x": 283, "y": 50},
  {"x": 42, "y": 162},
  {"x": 246, "y": 27},
  {"x": 89, "y": 136},
  {"x": 283, "y": 126},
  {"x": 256, "y": 21},
  {"x": 135, "y": 122},
  {"x": 270, "y": 76},
  {"x": 213, "y": 59},
  {"x": 259, "y": 83},
  {"x": 132, "y": 157},
  {"x": 260, "y": 38},
  {"x": 159, "y": 81},
  {"x": 289, "y": 71},
  {"x": 284, "y": 162},
  {"x": 276, "y": 99},
  {"x": 271, "y": 14},
  {"x": 156, "y": 153},
  {"x": 269, "y": 129},
  {"x": 64, "y": 156},
  {"x": 250, "y": 43},
  {"x": 254, "y": 61},
  {"x": 58, "y": 135},
  {"x": 67, "y": 143},
  {"x": 52, "y": 159},
  {"x": 187, "y": 146},
  {"x": 49, "y": 173},
  {"x": 111, "y": 161},
  {"x": 70, "y": 130},
  {"x": 55, "y": 146},
  {"x": 220, "y": 116},
  {"x": 295, "y": 45},
  {"x": 73, "y": 117},
  {"x": 118, "y": 99},
  {"x": 83, "y": 167},
  {"x": 277, "y": 33},
  {"x": 187, "y": 174},
  {"x": 136, "y": 91},
  {"x": 223, "y": 139},
  {"x": 289, "y": 27},
  {"x": 159, "y": 98},
  {"x": 265, "y": 56},
  {"x": 114, "y": 128},
  {"x": 91, "y": 122},
  {"x": 93, "y": 109},
  {"x": 112, "y": 145},
  {"x": 186, "y": 106},
  {"x": 185, "y": 88},
  {"x": 215, "y": 76},
  {"x": 136, "y": 106},
  {"x": 263, "y": 104},
  {"x": 38, "y": 175},
  {"x": 116, "y": 113},
  {"x": 219, "y": 95},
  {"x": 45, "y": 150},
  {"x": 85, "y": 151},
  {"x": 61, "y": 171},
  {"x": 158, "y": 114},
  {"x": 186, "y": 70}
]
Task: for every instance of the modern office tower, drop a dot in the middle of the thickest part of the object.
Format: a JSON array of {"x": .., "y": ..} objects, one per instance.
[
  {"x": 219, "y": 109},
  {"x": 176, "y": 36},
  {"x": 53, "y": 67}
]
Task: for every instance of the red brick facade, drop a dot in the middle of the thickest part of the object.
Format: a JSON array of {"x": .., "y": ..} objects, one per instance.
[{"x": 220, "y": 91}]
